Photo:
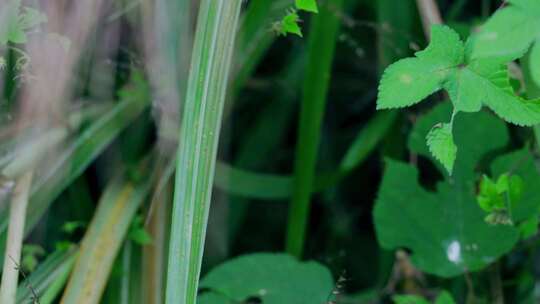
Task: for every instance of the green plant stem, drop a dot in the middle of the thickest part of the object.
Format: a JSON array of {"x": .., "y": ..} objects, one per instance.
[
  {"x": 496, "y": 286},
  {"x": 58, "y": 284},
  {"x": 157, "y": 223},
  {"x": 17, "y": 216},
  {"x": 321, "y": 49},
  {"x": 430, "y": 14},
  {"x": 201, "y": 122}
]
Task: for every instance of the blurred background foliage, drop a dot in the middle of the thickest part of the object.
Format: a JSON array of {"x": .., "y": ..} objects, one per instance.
[{"x": 117, "y": 127}]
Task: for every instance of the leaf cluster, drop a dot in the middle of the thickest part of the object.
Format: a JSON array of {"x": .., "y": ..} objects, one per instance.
[{"x": 472, "y": 79}]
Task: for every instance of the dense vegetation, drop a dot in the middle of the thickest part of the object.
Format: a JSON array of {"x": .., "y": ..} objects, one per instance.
[{"x": 275, "y": 152}]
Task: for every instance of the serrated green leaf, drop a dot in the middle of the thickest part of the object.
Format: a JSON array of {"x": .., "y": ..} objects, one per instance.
[
  {"x": 441, "y": 144},
  {"x": 445, "y": 228},
  {"x": 410, "y": 80},
  {"x": 463, "y": 91},
  {"x": 289, "y": 24},
  {"x": 307, "y": 5},
  {"x": 509, "y": 32},
  {"x": 494, "y": 90},
  {"x": 274, "y": 278},
  {"x": 470, "y": 83}
]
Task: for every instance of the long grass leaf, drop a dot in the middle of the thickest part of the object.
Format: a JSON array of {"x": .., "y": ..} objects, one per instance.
[
  {"x": 49, "y": 274},
  {"x": 208, "y": 79},
  {"x": 104, "y": 238},
  {"x": 75, "y": 159},
  {"x": 17, "y": 214},
  {"x": 322, "y": 41}
]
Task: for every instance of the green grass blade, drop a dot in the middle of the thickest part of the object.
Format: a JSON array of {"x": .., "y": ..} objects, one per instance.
[
  {"x": 216, "y": 30},
  {"x": 322, "y": 42},
  {"x": 154, "y": 255},
  {"x": 104, "y": 238},
  {"x": 44, "y": 280},
  {"x": 75, "y": 159}
]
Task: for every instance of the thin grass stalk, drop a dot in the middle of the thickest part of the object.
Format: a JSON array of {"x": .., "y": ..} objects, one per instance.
[
  {"x": 56, "y": 286},
  {"x": 201, "y": 123},
  {"x": 155, "y": 253},
  {"x": 49, "y": 278},
  {"x": 430, "y": 14},
  {"x": 322, "y": 42},
  {"x": 17, "y": 215}
]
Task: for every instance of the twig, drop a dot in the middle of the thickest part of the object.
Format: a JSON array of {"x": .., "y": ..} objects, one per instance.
[
  {"x": 17, "y": 217},
  {"x": 430, "y": 14},
  {"x": 495, "y": 282}
]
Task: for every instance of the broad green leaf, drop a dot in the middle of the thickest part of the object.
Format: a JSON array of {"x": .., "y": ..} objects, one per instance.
[
  {"x": 213, "y": 298},
  {"x": 410, "y": 80},
  {"x": 509, "y": 32},
  {"x": 494, "y": 90},
  {"x": 445, "y": 228},
  {"x": 441, "y": 144},
  {"x": 273, "y": 278},
  {"x": 409, "y": 299},
  {"x": 463, "y": 91},
  {"x": 470, "y": 83},
  {"x": 307, "y": 5},
  {"x": 445, "y": 298}
]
